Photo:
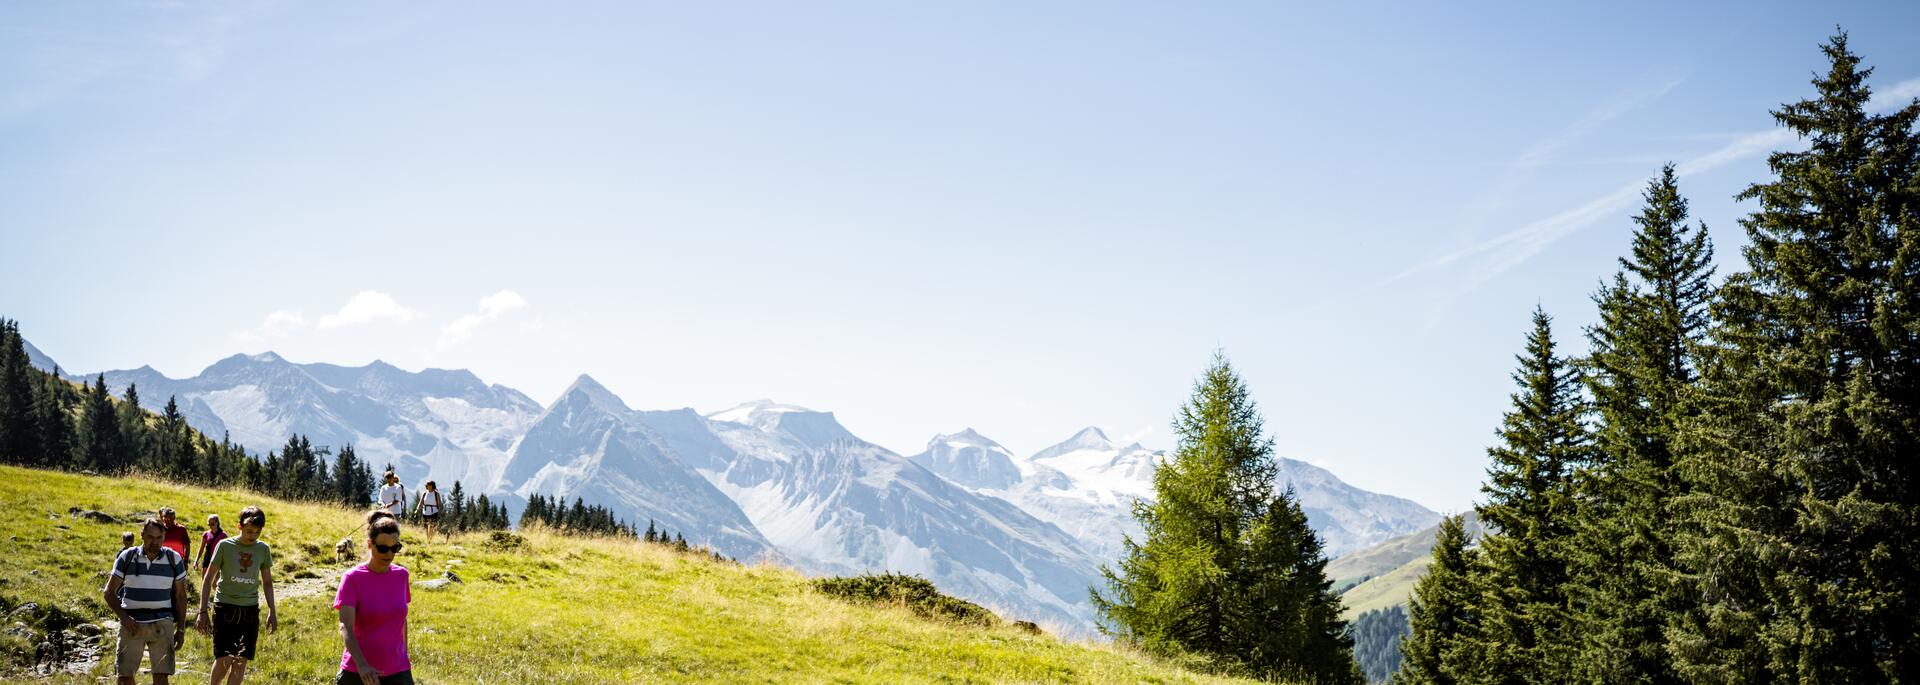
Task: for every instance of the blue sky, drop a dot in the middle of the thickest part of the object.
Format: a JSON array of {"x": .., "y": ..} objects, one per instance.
[{"x": 1020, "y": 217}]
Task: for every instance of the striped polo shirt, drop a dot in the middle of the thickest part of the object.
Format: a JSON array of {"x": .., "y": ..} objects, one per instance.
[{"x": 146, "y": 589}]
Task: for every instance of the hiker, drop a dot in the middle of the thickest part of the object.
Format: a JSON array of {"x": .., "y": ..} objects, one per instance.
[
  {"x": 212, "y": 537},
  {"x": 428, "y": 507},
  {"x": 372, "y": 602},
  {"x": 148, "y": 592},
  {"x": 177, "y": 537},
  {"x": 393, "y": 495},
  {"x": 244, "y": 568}
]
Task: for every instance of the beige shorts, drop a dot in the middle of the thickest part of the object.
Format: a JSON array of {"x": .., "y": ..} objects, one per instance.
[{"x": 156, "y": 639}]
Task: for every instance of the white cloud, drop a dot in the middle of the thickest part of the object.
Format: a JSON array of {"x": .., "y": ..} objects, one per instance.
[
  {"x": 1896, "y": 97},
  {"x": 1523, "y": 168},
  {"x": 492, "y": 307},
  {"x": 365, "y": 307},
  {"x": 279, "y": 323},
  {"x": 1490, "y": 258},
  {"x": 1136, "y": 436}
]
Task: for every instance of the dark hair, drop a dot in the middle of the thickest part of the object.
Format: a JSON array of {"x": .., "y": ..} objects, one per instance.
[
  {"x": 431, "y": 486},
  {"x": 381, "y": 523},
  {"x": 152, "y": 522},
  {"x": 390, "y": 475},
  {"x": 254, "y": 516}
]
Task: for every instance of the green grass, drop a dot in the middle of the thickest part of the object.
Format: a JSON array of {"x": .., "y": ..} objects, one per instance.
[
  {"x": 552, "y": 610},
  {"x": 1389, "y": 589}
]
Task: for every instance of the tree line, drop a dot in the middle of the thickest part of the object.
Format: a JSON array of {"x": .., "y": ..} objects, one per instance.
[
  {"x": 47, "y": 421},
  {"x": 1723, "y": 490},
  {"x": 458, "y": 512},
  {"x": 592, "y": 519}
]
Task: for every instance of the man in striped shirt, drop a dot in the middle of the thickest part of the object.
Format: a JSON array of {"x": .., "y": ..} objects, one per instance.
[{"x": 148, "y": 591}]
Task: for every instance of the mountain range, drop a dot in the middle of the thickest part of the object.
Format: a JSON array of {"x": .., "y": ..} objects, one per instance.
[{"x": 763, "y": 480}]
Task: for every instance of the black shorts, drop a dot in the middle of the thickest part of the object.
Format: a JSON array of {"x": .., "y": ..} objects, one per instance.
[
  {"x": 235, "y": 630},
  {"x": 350, "y": 678},
  {"x": 435, "y": 516}
]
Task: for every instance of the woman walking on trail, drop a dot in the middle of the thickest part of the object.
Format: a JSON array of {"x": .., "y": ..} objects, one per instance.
[
  {"x": 244, "y": 568},
  {"x": 393, "y": 495},
  {"x": 429, "y": 508},
  {"x": 372, "y": 602},
  {"x": 212, "y": 537}
]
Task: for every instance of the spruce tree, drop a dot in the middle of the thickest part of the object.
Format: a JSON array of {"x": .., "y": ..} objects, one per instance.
[
  {"x": 345, "y": 477},
  {"x": 135, "y": 439},
  {"x": 1529, "y": 511},
  {"x": 100, "y": 438},
  {"x": 53, "y": 420},
  {"x": 1797, "y": 533},
  {"x": 18, "y": 439},
  {"x": 1227, "y": 567},
  {"x": 1653, "y": 318},
  {"x": 1444, "y": 614}
]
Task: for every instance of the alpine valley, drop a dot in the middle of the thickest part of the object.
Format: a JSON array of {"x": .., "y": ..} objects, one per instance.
[{"x": 1025, "y": 535}]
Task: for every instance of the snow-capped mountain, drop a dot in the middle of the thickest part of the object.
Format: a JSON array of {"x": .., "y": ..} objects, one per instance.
[
  {"x": 590, "y": 445},
  {"x": 1086, "y": 485},
  {"x": 1350, "y": 519},
  {"x": 834, "y": 503},
  {"x": 1025, "y": 535},
  {"x": 446, "y": 425},
  {"x": 970, "y": 460}
]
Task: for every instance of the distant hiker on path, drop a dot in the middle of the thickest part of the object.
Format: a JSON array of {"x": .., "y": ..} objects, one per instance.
[
  {"x": 372, "y": 602},
  {"x": 244, "y": 568},
  {"x": 212, "y": 537},
  {"x": 429, "y": 508},
  {"x": 177, "y": 538},
  {"x": 393, "y": 495},
  {"x": 148, "y": 592}
]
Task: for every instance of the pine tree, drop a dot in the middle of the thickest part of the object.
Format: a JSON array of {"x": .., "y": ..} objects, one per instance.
[
  {"x": 345, "y": 476},
  {"x": 456, "y": 506},
  {"x": 53, "y": 420},
  {"x": 100, "y": 438},
  {"x": 1529, "y": 510},
  {"x": 651, "y": 536},
  {"x": 1227, "y": 568},
  {"x": 1284, "y": 617},
  {"x": 1653, "y": 318},
  {"x": 1445, "y": 614},
  {"x": 1797, "y": 532},
  {"x": 135, "y": 437},
  {"x": 18, "y": 439}
]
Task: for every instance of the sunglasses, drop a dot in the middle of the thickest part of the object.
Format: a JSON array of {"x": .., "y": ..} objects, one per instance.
[{"x": 388, "y": 549}]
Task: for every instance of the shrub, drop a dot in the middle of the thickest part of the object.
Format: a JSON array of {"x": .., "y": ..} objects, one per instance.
[{"x": 913, "y": 592}]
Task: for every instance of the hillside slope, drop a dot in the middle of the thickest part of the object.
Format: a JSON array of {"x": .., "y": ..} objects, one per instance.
[{"x": 548, "y": 609}]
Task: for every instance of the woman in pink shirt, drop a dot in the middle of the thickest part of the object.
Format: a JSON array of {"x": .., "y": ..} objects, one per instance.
[
  {"x": 212, "y": 537},
  {"x": 372, "y": 602}
]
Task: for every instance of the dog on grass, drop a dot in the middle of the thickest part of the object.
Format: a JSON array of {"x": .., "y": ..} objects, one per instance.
[{"x": 344, "y": 551}]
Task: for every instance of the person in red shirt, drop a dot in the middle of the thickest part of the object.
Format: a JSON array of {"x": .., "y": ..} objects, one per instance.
[{"x": 176, "y": 538}]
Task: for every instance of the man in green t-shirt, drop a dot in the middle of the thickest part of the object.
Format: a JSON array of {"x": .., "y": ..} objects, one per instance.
[{"x": 244, "y": 568}]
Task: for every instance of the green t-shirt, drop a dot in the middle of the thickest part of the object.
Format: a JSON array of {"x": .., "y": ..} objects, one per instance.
[{"x": 240, "y": 566}]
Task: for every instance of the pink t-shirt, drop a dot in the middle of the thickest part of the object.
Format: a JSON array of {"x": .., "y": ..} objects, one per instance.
[{"x": 379, "y": 602}]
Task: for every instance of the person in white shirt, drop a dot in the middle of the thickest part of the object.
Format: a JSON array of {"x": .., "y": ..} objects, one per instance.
[
  {"x": 429, "y": 507},
  {"x": 393, "y": 496}
]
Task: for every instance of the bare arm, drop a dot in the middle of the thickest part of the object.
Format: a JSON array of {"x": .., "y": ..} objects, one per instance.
[
  {"x": 112, "y": 596},
  {"x": 266, "y": 588},
  {"x": 179, "y": 610},
  {"x": 206, "y": 586},
  {"x": 353, "y": 644}
]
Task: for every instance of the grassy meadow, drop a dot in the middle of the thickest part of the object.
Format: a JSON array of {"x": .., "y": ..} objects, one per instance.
[{"x": 539, "y": 607}]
